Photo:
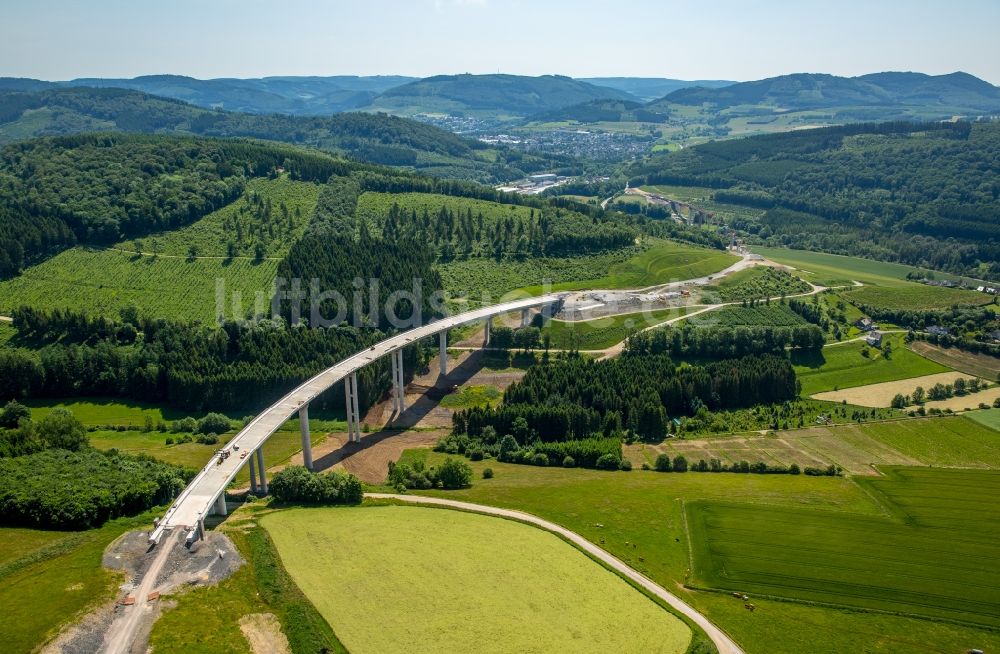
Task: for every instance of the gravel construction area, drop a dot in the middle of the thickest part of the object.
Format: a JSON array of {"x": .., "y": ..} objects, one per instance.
[{"x": 206, "y": 562}]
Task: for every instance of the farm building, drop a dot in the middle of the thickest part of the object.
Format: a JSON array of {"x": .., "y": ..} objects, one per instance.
[
  {"x": 938, "y": 331},
  {"x": 865, "y": 324},
  {"x": 874, "y": 339}
]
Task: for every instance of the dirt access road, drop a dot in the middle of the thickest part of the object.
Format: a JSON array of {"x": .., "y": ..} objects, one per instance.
[{"x": 723, "y": 643}]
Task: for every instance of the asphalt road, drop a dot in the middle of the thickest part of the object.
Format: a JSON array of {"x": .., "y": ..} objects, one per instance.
[{"x": 724, "y": 643}]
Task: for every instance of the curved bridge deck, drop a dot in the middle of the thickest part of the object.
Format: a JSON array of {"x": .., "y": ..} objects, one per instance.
[{"x": 197, "y": 500}]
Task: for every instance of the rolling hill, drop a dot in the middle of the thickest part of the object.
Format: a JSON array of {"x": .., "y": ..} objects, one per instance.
[
  {"x": 898, "y": 191},
  {"x": 652, "y": 88},
  {"x": 302, "y": 96},
  {"x": 508, "y": 96},
  {"x": 816, "y": 91},
  {"x": 378, "y": 138}
]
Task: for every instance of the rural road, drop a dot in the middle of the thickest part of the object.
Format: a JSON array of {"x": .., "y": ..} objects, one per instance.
[
  {"x": 123, "y": 630},
  {"x": 724, "y": 643},
  {"x": 6, "y": 319}
]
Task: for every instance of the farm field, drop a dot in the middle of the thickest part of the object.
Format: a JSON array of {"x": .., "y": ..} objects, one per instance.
[
  {"x": 102, "y": 282},
  {"x": 837, "y": 270},
  {"x": 773, "y": 314},
  {"x": 980, "y": 365},
  {"x": 889, "y": 564},
  {"x": 466, "y": 578},
  {"x": 967, "y": 402},
  {"x": 639, "y": 517},
  {"x": 843, "y": 366},
  {"x": 51, "y": 578},
  {"x": 990, "y": 418},
  {"x": 243, "y": 223},
  {"x": 947, "y": 442},
  {"x": 880, "y": 395},
  {"x": 208, "y": 619},
  {"x": 913, "y": 297},
  {"x": 602, "y": 333}
]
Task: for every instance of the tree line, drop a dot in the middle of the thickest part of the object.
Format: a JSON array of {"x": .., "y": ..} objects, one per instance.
[
  {"x": 233, "y": 366},
  {"x": 574, "y": 398},
  {"x": 690, "y": 341}
]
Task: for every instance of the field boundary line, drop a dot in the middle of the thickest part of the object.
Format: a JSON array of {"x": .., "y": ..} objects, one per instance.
[{"x": 722, "y": 641}]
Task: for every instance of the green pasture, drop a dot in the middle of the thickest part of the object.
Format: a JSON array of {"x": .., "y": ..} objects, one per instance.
[
  {"x": 843, "y": 366},
  {"x": 459, "y": 580},
  {"x": 602, "y": 333},
  {"x": 887, "y": 563}
]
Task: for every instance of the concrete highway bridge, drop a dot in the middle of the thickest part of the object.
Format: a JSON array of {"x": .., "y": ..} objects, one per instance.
[{"x": 206, "y": 494}]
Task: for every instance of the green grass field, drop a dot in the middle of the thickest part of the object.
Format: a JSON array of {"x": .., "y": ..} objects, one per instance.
[
  {"x": 639, "y": 518},
  {"x": 278, "y": 449},
  {"x": 48, "y": 579},
  {"x": 914, "y": 297},
  {"x": 990, "y": 418},
  {"x": 602, "y": 333},
  {"x": 7, "y": 333},
  {"x": 659, "y": 262},
  {"x": 236, "y": 223},
  {"x": 470, "y": 396},
  {"x": 458, "y": 581},
  {"x": 874, "y": 563},
  {"x": 484, "y": 278},
  {"x": 104, "y": 281},
  {"x": 107, "y": 411},
  {"x": 837, "y": 270},
  {"x": 206, "y": 620},
  {"x": 843, "y": 366},
  {"x": 855, "y": 447}
]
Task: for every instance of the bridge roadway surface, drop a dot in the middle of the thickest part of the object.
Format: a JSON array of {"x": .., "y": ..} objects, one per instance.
[{"x": 196, "y": 501}]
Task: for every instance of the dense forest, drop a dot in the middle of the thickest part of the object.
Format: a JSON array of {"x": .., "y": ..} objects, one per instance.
[
  {"x": 576, "y": 398},
  {"x": 690, "y": 341},
  {"x": 51, "y": 478},
  {"x": 921, "y": 194},
  {"x": 101, "y": 188},
  {"x": 195, "y": 367}
]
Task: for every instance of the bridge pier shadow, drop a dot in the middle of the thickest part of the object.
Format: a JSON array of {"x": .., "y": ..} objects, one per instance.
[{"x": 424, "y": 394}]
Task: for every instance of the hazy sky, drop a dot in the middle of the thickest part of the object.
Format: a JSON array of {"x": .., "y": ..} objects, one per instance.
[{"x": 701, "y": 39}]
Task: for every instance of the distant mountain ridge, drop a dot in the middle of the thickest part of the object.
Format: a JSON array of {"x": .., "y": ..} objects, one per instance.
[
  {"x": 302, "y": 96},
  {"x": 514, "y": 95},
  {"x": 815, "y": 91},
  {"x": 652, "y": 88}
]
